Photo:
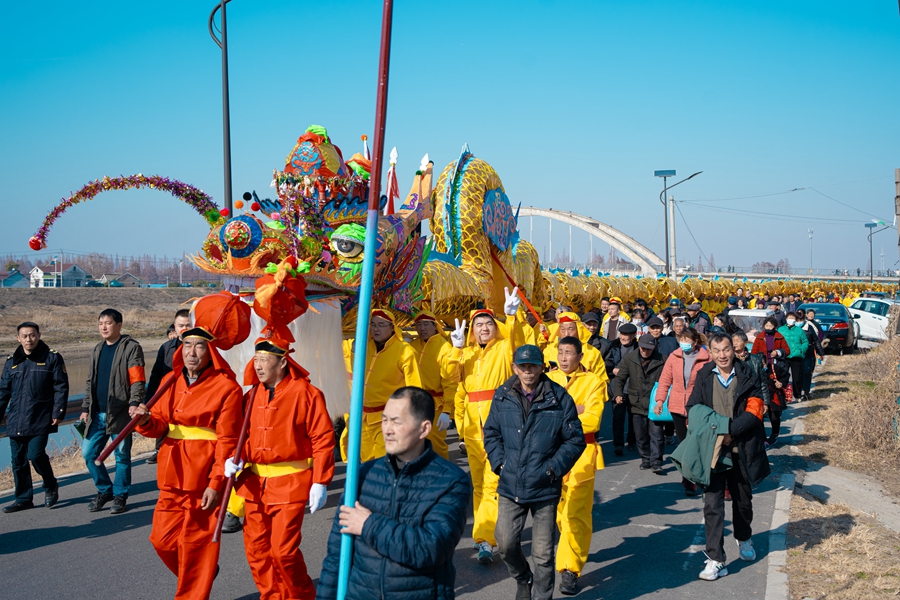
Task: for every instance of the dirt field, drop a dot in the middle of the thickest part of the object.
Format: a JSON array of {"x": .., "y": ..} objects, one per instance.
[{"x": 68, "y": 316}]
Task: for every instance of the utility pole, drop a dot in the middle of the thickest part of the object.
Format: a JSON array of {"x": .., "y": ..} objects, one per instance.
[
  {"x": 810, "y": 231},
  {"x": 551, "y": 239},
  {"x": 672, "y": 260},
  {"x": 897, "y": 198},
  {"x": 570, "y": 246}
]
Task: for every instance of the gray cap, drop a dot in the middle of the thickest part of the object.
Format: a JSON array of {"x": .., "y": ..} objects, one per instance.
[
  {"x": 528, "y": 355},
  {"x": 695, "y": 306},
  {"x": 647, "y": 341},
  {"x": 590, "y": 316}
]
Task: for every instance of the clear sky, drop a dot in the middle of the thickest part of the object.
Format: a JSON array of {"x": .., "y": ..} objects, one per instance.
[{"x": 574, "y": 103}]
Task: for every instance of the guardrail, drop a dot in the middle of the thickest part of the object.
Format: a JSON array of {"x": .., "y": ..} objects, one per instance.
[{"x": 73, "y": 411}]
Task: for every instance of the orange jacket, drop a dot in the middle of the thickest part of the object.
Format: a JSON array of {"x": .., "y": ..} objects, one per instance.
[
  {"x": 289, "y": 423},
  {"x": 213, "y": 402}
]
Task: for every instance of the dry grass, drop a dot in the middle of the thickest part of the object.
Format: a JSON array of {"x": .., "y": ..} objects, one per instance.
[
  {"x": 835, "y": 552},
  {"x": 852, "y": 424},
  {"x": 68, "y": 460}
]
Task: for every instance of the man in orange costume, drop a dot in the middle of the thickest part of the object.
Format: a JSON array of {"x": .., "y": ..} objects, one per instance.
[
  {"x": 289, "y": 464},
  {"x": 439, "y": 375},
  {"x": 200, "y": 415}
]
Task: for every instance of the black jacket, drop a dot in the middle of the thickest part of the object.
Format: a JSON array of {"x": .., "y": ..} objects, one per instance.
[
  {"x": 162, "y": 366},
  {"x": 532, "y": 449},
  {"x": 746, "y": 427},
  {"x": 614, "y": 357},
  {"x": 602, "y": 344},
  {"x": 407, "y": 543},
  {"x": 666, "y": 345},
  {"x": 36, "y": 389},
  {"x": 639, "y": 382}
]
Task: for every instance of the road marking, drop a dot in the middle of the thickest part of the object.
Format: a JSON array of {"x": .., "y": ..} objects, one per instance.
[
  {"x": 697, "y": 545},
  {"x": 776, "y": 578}
]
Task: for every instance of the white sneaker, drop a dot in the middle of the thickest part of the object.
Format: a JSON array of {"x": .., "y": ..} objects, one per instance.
[
  {"x": 747, "y": 551},
  {"x": 485, "y": 552},
  {"x": 713, "y": 570}
]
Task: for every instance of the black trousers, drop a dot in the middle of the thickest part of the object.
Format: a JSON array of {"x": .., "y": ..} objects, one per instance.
[
  {"x": 796, "y": 365},
  {"x": 714, "y": 509},
  {"x": 651, "y": 441},
  {"x": 30, "y": 448},
  {"x": 774, "y": 415},
  {"x": 680, "y": 424},
  {"x": 621, "y": 416}
]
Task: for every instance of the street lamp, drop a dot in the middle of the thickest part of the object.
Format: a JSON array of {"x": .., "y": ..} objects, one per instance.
[
  {"x": 226, "y": 113},
  {"x": 662, "y": 199},
  {"x": 871, "y": 227},
  {"x": 810, "y": 250}
]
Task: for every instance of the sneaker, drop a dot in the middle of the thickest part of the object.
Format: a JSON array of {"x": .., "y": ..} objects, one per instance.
[
  {"x": 51, "y": 496},
  {"x": 690, "y": 488},
  {"x": 151, "y": 460},
  {"x": 645, "y": 466},
  {"x": 568, "y": 583},
  {"x": 618, "y": 451},
  {"x": 232, "y": 524},
  {"x": 670, "y": 439},
  {"x": 17, "y": 506},
  {"x": 727, "y": 495},
  {"x": 99, "y": 501},
  {"x": 657, "y": 469},
  {"x": 523, "y": 589},
  {"x": 748, "y": 553},
  {"x": 714, "y": 569},
  {"x": 485, "y": 553},
  {"x": 462, "y": 448},
  {"x": 118, "y": 506}
]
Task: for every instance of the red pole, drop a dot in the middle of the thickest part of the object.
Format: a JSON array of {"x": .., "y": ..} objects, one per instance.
[
  {"x": 384, "y": 65},
  {"x": 229, "y": 484},
  {"x": 134, "y": 421}
]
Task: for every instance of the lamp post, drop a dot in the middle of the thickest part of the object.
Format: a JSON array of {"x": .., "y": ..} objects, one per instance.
[
  {"x": 871, "y": 227},
  {"x": 662, "y": 200},
  {"x": 226, "y": 111},
  {"x": 810, "y": 231}
]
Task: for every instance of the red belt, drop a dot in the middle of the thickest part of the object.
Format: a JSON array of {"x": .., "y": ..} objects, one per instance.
[
  {"x": 589, "y": 438},
  {"x": 435, "y": 394},
  {"x": 371, "y": 409},
  {"x": 481, "y": 396}
]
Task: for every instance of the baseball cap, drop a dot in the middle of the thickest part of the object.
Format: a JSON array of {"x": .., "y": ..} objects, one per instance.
[
  {"x": 528, "y": 355},
  {"x": 695, "y": 306},
  {"x": 655, "y": 322},
  {"x": 590, "y": 316},
  {"x": 732, "y": 299},
  {"x": 647, "y": 341}
]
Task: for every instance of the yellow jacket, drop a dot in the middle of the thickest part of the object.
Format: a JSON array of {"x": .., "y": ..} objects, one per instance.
[
  {"x": 438, "y": 373},
  {"x": 589, "y": 391},
  {"x": 394, "y": 367},
  {"x": 592, "y": 360},
  {"x": 483, "y": 370}
]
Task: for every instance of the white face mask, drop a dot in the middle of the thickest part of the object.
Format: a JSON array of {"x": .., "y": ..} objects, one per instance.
[{"x": 791, "y": 322}]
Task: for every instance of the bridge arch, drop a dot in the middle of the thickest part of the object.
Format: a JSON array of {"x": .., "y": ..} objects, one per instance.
[{"x": 649, "y": 263}]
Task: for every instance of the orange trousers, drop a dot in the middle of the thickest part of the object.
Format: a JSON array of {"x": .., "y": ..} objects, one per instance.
[
  {"x": 272, "y": 542},
  {"x": 182, "y": 536}
]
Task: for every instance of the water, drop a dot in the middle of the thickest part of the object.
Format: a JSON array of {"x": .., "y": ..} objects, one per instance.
[{"x": 66, "y": 436}]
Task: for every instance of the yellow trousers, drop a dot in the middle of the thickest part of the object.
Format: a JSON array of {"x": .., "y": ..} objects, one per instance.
[
  {"x": 236, "y": 505},
  {"x": 484, "y": 492},
  {"x": 573, "y": 515},
  {"x": 438, "y": 441},
  {"x": 372, "y": 441}
]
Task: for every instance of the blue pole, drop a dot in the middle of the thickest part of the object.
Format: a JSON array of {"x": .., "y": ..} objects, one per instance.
[{"x": 366, "y": 285}]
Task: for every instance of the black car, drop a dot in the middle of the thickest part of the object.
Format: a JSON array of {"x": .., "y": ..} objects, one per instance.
[{"x": 841, "y": 332}]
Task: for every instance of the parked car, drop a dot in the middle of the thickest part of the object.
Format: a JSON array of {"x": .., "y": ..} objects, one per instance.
[
  {"x": 93, "y": 283},
  {"x": 840, "y": 327},
  {"x": 872, "y": 315},
  {"x": 750, "y": 320}
]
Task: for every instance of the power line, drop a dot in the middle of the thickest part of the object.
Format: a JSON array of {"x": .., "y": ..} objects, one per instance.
[
  {"x": 796, "y": 189},
  {"x": 692, "y": 234},
  {"x": 845, "y": 204},
  {"x": 769, "y": 215}
]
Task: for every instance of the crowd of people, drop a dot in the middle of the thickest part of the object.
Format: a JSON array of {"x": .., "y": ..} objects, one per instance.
[{"x": 526, "y": 392}]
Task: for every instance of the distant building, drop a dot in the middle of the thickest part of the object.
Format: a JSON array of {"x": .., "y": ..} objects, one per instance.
[
  {"x": 14, "y": 279},
  {"x": 59, "y": 275},
  {"x": 108, "y": 278},
  {"x": 129, "y": 280}
]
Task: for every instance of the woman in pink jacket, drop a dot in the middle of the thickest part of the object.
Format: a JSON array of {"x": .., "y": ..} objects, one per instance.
[{"x": 677, "y": 380}]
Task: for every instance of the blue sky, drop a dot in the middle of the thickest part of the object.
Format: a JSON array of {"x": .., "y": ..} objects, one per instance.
[{"x": 574, "y": 103}]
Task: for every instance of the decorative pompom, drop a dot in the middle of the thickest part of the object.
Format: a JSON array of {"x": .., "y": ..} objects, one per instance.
[
  {"x": 239, "y": 204},
  {"x": 224, "y": 212},
  {"x": 276, "y": 216},
  {"x": 35, "y": 243},
  {"x": 255, "y": 206}
]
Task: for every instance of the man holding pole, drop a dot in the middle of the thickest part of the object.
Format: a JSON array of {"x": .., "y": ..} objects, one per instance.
[
  {"x": 201, "y": 412},
  {"x": 484, "y": 364},
  {"x": 439, "y": 377}
]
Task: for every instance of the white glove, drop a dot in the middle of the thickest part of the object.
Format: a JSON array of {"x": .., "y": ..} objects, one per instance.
[
  {"x": 232, "y": 468},
  {"x": 317, "y": 495},
  {"x": 458, "y": 335},
  {"x": 443, "y": 421},
  {"x": 511, "y": 306}
]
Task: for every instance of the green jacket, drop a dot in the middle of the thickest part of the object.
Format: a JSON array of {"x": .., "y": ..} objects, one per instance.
[
  {"x": 796, "y": 339},
  {"x": 693, "y": 456},
  {"x": 127, "y": 383}
]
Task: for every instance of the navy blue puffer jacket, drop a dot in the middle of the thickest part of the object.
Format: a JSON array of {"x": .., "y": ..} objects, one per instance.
[
  {"x": 407, "y": 543},
  {"x": 532, "y": 450},
  {"x": 36, "y": 389}
]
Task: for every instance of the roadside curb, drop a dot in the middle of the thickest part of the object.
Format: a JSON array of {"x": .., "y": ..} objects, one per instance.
[{"x": 776, "y": 577}]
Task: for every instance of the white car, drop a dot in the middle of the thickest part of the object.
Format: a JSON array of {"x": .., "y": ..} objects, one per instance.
[
  {"x": 873, "y": 315},
  {"x": 750, "y": 320}
]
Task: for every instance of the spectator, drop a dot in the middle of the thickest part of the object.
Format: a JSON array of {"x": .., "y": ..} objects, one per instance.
[
  {"x": 813, "y": 350},
  {"x": 170, "y": 332},
  {"x": 35, "y": 387},
  {"x": 637, "y": 373},
  {"x": 409, "y": 516},
  {"x": 666, "y": 345},
  {"x": 621, "y": 348},
  {"x": 778, "y": 313},
  {"x": 613, "y": 320},
  {"x": 591, "y": 322},
  {"x": 642, "y": 304},
  {"x": 163, "y": 364},
  {"x": 677, "y": 382},
  {"x": 604, "y": 306},
  {"x": 533, "y": 437},
  {"x": 774, "y": 349},
  {"x": 697, "y": 318},
  {"x": 115, "y": 386},
  {"x": 798, "y": 343},
  {"x": 731, "y": 389},
  {"x": 679, "y": 324},
  {"x": 792, "y": 304},
  {"x": 638, "y": 317}
]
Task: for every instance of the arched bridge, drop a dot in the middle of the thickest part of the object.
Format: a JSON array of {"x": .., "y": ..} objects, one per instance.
[{"x": 649, "y": 263}]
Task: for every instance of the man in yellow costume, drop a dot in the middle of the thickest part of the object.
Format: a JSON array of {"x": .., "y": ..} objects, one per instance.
[
  {"x": 573, "y": 516},
  {"x": 570, "y": 325},
  {"x": 391, "y": 364},
  {"x": 484, "y": 364},
  {"x": 438, "y": 374}
]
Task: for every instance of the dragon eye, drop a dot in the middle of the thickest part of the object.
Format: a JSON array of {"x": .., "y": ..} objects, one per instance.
[{"x": 345, "y": 247}]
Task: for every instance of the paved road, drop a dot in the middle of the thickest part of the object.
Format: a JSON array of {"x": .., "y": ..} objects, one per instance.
[{"x": 648, "y": 542}]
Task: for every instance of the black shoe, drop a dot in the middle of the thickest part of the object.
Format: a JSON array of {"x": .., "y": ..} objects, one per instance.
[
  {"x": 231, "y": 524},
  {"x": 645, "y": 466},
  {"x": 151, "y": 460},
  {"x": 51, "y": 496},
  {"x": 118, "y": 506},
  {"x": 17, "y": 506},
  {"x": 630, "y": 447},
  {"x": 568, "y": 583},
  {"x": 523, "y": 589},
  {"x": 658, "y": 470},
  {"x": 462, "y": 448},
  {"x": 618, "y": 451},
  {"x": 99, "y": 501}
]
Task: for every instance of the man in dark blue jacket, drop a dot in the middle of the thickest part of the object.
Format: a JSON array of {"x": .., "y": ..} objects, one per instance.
[
  {"x": 35, "y": 386},
  {"x": 533, "y": 438},
  {"x": 409, "y": 517}
]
